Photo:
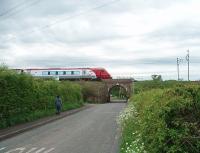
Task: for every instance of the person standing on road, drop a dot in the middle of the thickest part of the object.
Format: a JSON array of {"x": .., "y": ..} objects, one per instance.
[{"x": 58, "y": 104}]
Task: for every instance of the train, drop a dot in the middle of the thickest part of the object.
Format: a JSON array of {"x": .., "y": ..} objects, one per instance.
[{"x": 68, "y": 73}]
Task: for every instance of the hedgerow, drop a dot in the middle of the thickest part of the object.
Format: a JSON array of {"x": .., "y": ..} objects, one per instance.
[
  {"x": 24, "y": 98},
  {"x": 163, "y": 120}
]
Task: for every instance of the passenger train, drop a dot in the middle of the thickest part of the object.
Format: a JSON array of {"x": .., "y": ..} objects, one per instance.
[{"x": 69, "y": 73}]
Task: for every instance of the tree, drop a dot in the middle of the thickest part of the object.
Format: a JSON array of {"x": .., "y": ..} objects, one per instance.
[{"x": 156, "y": 77}]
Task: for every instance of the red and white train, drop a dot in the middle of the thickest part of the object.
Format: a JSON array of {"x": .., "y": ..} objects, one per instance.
[{"x": 69, "y": 73}]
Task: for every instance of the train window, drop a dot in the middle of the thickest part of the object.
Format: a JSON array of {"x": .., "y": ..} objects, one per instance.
[
  {"x": 84, "y": 72},
  {"x": 64, "y": 72},
  {"x": 76, "y": 73},
  {"x": 72, "y": 72},
  {"x": 52, "y": 72},
  {"x": 68, "y": 72},
  {"x": 60, "y": 72},
  {"x": 45, "y": 73},
  {"x": 56, "y": 72}
]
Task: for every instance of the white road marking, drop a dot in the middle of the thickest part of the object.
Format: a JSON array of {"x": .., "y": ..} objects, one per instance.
[
  {"x": 32, "y": 149},
  {"x": 17, "y": 149},
  {"x": 49, "y": 150},
  {"x": 40, "y": 150},
  {"x": 2, "y": 148}
]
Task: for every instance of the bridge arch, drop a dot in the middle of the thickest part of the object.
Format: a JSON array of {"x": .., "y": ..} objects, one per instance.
[
  {"x": 125, "y": 84},
  {"x": 122, "y": 91}
]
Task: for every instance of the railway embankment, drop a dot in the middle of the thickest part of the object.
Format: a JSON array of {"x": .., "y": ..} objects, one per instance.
[
  {"x": 24, "y": 98},
  {"x": 162, "y": 117}
]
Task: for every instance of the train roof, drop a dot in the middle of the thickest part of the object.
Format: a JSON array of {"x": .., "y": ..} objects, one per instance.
[{"x": 59, "y": 68}]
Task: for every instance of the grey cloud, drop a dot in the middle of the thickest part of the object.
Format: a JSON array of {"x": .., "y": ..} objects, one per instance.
[
  {"x": 88, "y": 39},
  {"x": 46, "y": 8},
  {"x": 145, "y": 61},
  {"x": 33, "y": 16},
  {"x": 38, "y": 15},
  {"x": 57, "y": 61},
  {"x": 3, "y": 47},
  {"x": 36, "y": 8},
  {"x": 137, "y": 6},
  {"x": 31, "y": 29},
  {"x": 67, "y": 61},
  {"x": 73, "y": 33},
  {"x": 50, "y": 7},
  {"x": 177, "y": 32},
  {"x": 183, "y": 34}
]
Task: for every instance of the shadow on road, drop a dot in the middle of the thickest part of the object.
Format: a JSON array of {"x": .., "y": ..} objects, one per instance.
[{"x": 118, "y": 101}]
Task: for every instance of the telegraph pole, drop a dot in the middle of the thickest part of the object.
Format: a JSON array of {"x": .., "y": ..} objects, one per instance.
[
  {"x": 188, "y": 60},
  {"x": 177, "y": 60}
]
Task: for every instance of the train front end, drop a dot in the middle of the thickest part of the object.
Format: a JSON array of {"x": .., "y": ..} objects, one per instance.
[{"x": 101, "y": 73}]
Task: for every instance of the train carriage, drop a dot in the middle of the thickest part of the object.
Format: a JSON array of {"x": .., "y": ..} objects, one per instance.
[{"x": 69, "y": 73}]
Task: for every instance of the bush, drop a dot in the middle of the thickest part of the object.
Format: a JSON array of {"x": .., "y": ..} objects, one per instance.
[
  {"x": 165, "y": 120},
  {"x": 24, "y": 98}
]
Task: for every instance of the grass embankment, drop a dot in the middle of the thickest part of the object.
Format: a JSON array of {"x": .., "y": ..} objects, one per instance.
[
  {"x": 162, "y": 117},
  {"x": 24, "y": 98}
]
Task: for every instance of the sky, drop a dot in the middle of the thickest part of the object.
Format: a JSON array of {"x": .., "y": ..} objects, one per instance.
[{"x": 134, "y": 38}]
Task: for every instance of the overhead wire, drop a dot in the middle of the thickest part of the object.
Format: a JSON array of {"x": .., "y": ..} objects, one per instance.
[
  {"x": 80, "y": 14},
  {"x": 18, "y": 8},
  {"x": 12, "y": 8}
]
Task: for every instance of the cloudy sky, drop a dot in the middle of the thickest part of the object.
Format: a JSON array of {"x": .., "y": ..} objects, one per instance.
[{"x": 127, "y": 37}]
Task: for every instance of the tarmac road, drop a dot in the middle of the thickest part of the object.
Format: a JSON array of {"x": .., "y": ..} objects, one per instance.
[{"x": 93, "y": 130}]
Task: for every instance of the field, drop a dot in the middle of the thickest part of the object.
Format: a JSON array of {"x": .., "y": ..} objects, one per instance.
[{"x": 162, "y": 116}]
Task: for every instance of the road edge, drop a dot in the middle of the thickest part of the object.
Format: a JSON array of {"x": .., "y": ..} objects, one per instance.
[{"x": 18, "y": 129}]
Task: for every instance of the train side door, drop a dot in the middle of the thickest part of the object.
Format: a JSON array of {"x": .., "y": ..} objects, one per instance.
[{"x": 84, "y": 73}]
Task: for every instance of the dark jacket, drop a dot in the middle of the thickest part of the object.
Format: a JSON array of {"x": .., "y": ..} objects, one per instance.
[{"x": 58, "y": 101}]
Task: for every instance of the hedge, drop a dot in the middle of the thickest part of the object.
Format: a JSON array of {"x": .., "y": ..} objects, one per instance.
[
  {"x": 24, "y": 98},
  {"x": 163, "y": 120}
]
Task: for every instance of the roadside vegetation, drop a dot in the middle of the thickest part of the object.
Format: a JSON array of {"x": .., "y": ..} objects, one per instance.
[
  {"x": 162, "y": 116},
  {"x": 24, "y": 98}
]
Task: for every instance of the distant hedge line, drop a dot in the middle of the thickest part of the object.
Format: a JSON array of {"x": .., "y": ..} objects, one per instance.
[
  {"x": 163, "y": 120},
  {"x": 142, "y": 86},
  {"x": 24, "y": 98}
]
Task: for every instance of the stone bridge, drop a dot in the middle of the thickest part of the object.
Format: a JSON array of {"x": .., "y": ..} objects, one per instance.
[
  {"x": 126, "y": 84},
  {"x": 99, "y": 91}
]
